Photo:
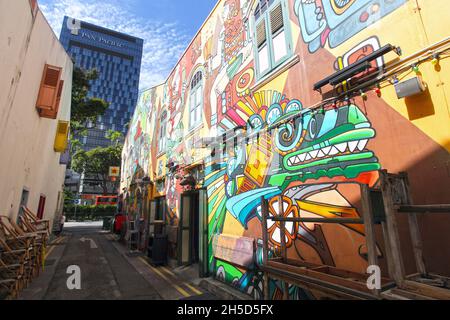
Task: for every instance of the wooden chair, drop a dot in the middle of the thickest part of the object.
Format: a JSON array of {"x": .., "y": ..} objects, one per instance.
[
  {"x": 17, "y": 239},
  {"x": 30, "y": 223},
  {"x": 8, "y": 289},
  {"x": 38, "y": 224},
  {"x": 13, "y": 270}
]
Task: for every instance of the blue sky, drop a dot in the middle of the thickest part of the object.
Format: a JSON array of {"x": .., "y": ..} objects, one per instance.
[{"x": 167, "y": 26}]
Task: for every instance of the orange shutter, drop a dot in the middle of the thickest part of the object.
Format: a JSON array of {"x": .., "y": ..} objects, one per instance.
[
  {"x": 48, "y": 92},
  {"x": 53, "y": 114}
]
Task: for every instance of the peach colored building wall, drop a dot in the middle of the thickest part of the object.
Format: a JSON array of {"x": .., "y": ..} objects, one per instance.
[{"x": 27, "y": 157}]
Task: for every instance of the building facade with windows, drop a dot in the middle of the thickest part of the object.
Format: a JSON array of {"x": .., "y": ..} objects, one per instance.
[
  {"x": 117, "y": 58},
  {"x": 35, "y": 99},
  {"x": 298, "y": 103}
]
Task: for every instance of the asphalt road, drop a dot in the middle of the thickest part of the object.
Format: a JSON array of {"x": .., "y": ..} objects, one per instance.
[
  {"x": 105, "y": 273},
  {"x": 108, "y": 271}
]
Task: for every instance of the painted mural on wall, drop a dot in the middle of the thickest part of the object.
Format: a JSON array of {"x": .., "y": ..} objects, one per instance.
[
  {"x": 138, "y": 144},
  {"x": 135, "y": 156},
  {"x": 290, "y": 161},
  {"x": 336, "y": 21},
  {"x": 302, "y": 160}
]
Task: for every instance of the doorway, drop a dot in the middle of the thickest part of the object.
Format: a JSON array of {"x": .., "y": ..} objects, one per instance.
[
  {"x": 193, "y": 231},
  {"x": 188, "y": 245},
  {"x": 157, "y": 216}
]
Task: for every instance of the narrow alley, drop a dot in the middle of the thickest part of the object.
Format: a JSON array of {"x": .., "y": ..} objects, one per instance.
[
  {"x": 246, "y": 151},
  {"x": 108, "y": 271}
]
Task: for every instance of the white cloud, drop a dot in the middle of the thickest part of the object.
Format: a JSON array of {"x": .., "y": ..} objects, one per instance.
[{"x": 164, "y": 42}]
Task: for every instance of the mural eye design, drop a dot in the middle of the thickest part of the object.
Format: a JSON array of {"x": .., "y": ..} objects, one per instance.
[
  {"x": 274, "y": 114},
  {"x": 255, "y": 123},
  {"x": 289, "y": 136},
  {"x": 291, "y": 228},
  {"x": 294, "y": 106},
  {"x": 313, "y": 128},
  {"x": 230, "y": 188},
  {"x": 342, "y": 3},
  {"x": 220, "y": 274},
  {"x": 232, "y": 164},
  {"x": 244, "y": 82}
]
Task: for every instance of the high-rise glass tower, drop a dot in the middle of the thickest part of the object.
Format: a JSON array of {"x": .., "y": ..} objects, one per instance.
[{"x": 117, "y": 58}]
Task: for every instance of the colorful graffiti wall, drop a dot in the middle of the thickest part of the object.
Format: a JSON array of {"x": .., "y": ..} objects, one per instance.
[{"x": 252, "y": 66}]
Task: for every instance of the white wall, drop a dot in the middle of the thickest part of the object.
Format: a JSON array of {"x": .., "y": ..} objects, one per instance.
[{"x": 27, "y": 158}]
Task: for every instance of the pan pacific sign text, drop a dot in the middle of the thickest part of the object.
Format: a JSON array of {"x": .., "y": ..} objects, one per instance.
[{"x": 101, "y": 39}]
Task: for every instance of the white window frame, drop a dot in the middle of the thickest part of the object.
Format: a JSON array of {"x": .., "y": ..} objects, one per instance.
[
  {"x": 269, "y": 42},
  {"x": 196, "y": 101},
  {"x": 162, "y": 141}
]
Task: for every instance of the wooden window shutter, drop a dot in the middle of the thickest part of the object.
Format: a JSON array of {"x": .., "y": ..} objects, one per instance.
[
  {"x": 261, "y": 33},
  {"x": 53, "y": 113},
  {"x": 276, "y": 19},
  {"x": 58, "y": 96},
  {"x": 62, "y": 136},
  {"x": 48, "y": 92}
]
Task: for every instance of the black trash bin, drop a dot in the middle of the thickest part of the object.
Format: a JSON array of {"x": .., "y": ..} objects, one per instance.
[
  {"x": 157, "y": 249},
  {"x": 107, "y": 223}
]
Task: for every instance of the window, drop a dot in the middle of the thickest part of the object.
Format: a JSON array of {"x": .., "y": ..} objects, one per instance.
[
  {"x": 273, "y": 40},
  {"x": 196, "y": 102},
  {"x": 162, "y": 133}
]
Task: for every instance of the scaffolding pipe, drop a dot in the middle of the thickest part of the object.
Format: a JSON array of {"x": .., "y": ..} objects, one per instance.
[{"x": 319, "y": 220}]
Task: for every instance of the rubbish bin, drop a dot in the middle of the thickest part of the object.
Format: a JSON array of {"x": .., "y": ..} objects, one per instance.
[
  {"x": 107, "y": 223},
  {"x": 157, "y": 249}
]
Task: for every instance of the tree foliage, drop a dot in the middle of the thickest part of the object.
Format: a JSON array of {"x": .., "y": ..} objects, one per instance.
[
  {"x": 69, "y": 197},
  {"x": 85, "y": 109},
  {"x": 96, "y": 162},
  {"x": 116, "y": 137}
]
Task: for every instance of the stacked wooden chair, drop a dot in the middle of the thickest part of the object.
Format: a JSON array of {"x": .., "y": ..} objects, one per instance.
[
  {"x": 30, "y": 223},
  {"x": 13, "y": 270},
  {"x": 22, "y": 251},
  {"x": 17, "y": 259}
]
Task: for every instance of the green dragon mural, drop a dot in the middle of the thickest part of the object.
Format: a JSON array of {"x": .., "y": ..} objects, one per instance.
[{"x": 292, "y": 157}]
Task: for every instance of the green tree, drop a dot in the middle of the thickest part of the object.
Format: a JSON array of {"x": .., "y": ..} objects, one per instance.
[
  {"x": 85, "y": 109},
  {"x": 69, "y": 198},
  {"x": 96, "y": 162},
  {"x": 116, "y": 137}
]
